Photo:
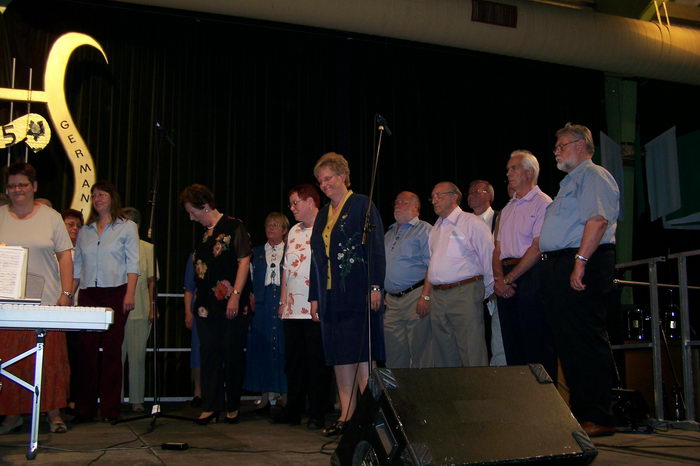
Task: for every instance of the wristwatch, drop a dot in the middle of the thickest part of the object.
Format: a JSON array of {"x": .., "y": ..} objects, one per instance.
[
  {"x": 236, "y": 292},
  {"x": 68, "y": 294},
  {"x": 581, "y": 258},
  {"x": 425, "y": 297}
]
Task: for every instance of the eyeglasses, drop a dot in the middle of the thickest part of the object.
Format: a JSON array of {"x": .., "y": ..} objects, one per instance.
[
  {"x": 560, "y": 147},
  {"x": 478, "y": 191},
  {"x": 99, "y": 195},
  {"x": 294, "y": 203},
  {"x": 435, "y": 196},
  {"x": 325, "y": 179},
  {"x": 10, "y": 187},
  {"x": 401, "y": 202}
]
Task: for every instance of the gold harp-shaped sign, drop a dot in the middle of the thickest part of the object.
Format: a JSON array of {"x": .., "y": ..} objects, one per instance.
[{"x": 54, "y": 97}]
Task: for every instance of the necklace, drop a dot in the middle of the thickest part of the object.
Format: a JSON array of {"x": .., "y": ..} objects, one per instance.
[{"x": 211, "y": 227}]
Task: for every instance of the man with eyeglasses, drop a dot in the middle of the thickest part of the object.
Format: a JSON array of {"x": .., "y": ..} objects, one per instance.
[
  {"x": 406, "y": 321},
  {"x": 527, "y": 337},
  {"x": 460, "y": 275},
  {"x": 480, "y": 199},
  {"x": 578, "y": 253}
]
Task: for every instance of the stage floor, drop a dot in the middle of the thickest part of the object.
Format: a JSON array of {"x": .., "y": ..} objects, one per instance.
[{"x": 255, "y": 441}]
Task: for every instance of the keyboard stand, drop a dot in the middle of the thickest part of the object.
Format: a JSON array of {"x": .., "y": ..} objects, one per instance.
[{"x": 35, "y": 389}]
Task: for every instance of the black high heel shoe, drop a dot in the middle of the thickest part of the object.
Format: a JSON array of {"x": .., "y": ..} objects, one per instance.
[
  {"x": 263, "y": 410},
  {"x": 233, "y": 420},
  {"x": 203, "y": 421},
  {"x": 335, "y": 429}
]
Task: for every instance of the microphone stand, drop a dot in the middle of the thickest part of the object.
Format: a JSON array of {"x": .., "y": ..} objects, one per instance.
[
  {"x": 381, "y": 126},
  {"x": 155, "y": 410}
]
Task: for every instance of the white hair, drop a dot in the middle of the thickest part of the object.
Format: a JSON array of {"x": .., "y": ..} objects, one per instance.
[{"x": 528, "y": 161}]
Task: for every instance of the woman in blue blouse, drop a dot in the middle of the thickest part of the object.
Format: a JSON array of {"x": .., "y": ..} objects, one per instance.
[
  {"x": 344, "y": 276},
  {"x": 106, "y": 269}
]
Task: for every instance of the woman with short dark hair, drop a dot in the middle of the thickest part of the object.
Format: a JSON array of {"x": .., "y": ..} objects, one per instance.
[
  {"x": 40, "y": 229},
  {"x": 221, "y": 263}
]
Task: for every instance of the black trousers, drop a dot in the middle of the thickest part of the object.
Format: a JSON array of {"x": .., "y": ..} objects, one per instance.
[
  {"x": 527, "y": 337},
  {"x": 222, "y": 344},
  {"x": 578, "y": 321},
  {"x": 306, "y": 369}
]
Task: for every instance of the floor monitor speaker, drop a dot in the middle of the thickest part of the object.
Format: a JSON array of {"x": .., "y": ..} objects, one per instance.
[{"x": 475, "y": 416}]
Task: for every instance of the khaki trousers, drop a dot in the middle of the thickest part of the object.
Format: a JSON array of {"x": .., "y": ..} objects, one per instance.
[
  {"x": 457, "y": 324},
  {"x": 407, "y": 337}
]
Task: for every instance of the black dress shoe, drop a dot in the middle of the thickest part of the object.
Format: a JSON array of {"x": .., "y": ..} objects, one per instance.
[
  {"x": 196, "y": 402},
  {"x": 82, "y": 419},
  {"x": 110, "y": 419},
  {"x": 335, "y": 429},
  {"x": 285, "y": 417},
  {"x": 263, "y": 411},
  {"x": 315, "y": 424},
  {"x": 203, "y": 421},
  {"x": 233, "y": 420}
]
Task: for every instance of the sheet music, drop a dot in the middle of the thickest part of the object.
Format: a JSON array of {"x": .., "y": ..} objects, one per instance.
[{"x": 13, "y": 271}]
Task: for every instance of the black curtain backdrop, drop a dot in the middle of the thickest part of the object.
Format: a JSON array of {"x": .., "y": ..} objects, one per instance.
[{"x": 252, "y": 105}]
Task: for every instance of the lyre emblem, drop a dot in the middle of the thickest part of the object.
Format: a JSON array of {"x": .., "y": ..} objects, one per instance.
[{"x": 33, "y": 129}]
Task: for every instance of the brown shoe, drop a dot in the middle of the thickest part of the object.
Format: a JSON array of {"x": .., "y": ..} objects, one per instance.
[{"x": 596, "y": 430}]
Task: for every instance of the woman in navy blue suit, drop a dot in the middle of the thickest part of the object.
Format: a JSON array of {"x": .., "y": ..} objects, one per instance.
[{"x": 344, "y": 276}]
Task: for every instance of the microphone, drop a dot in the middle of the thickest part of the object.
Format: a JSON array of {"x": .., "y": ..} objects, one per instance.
[
  {"x": 161, "y": 130},
  {"x": 383, "y": 125}
]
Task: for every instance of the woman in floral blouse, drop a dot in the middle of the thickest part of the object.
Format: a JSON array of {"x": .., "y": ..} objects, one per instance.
[
  {"x": 343, "y": 279},
  {"x": 221, "y": 264}
]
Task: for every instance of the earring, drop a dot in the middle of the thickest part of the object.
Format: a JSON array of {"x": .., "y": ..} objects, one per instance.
[{"x": 206, "y": 210}]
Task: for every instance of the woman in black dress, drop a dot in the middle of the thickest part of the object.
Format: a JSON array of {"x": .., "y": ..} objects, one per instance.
[{"x": 221, "y": 265}]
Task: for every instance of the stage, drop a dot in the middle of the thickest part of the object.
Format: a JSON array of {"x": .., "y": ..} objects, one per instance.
[{"x": 255, "y": 441}]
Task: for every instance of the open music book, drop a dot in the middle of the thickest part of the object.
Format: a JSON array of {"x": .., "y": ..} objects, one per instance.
[{"x": 13, "y": 272}]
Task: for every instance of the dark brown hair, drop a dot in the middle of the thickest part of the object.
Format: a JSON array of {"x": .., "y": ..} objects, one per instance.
[
  {"x": 21, "y": 168},
  {"x": 73, "y": 213},
  {"x": 198, "y": 195},
  {"x": 115, "y": 209}
]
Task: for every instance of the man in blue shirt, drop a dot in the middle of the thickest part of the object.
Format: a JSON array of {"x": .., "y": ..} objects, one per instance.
[
  {"x": 406, "y": 327},
  {"x": 578, "y": 252}
]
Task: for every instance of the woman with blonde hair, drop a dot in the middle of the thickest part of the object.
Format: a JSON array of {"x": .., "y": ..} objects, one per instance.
[
  {"x": 345, "y": 277},
  {"x": 265, "y": 348}
]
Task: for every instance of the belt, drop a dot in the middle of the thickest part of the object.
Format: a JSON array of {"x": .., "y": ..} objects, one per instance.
[
  {"x": 573, "y": 251},
  {"x": 407, "y": 290},
  {"x": 511, "y": 261},
  {"x": 449, "y": 286}
]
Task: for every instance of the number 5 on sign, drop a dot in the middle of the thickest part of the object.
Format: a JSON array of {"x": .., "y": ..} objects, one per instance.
[{"x": 32, "y": 128}]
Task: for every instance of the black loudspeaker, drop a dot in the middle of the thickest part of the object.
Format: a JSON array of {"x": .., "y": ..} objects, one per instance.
[{"x": 479, "y": 415}]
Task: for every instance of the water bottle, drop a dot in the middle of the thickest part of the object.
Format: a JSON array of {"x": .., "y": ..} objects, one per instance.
[
  {"x": 671, "y": 317},
  {"x": 635, "y": 324}
]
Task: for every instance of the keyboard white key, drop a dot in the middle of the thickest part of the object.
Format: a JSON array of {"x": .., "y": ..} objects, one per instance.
[{"x": 32, "y": 317}]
